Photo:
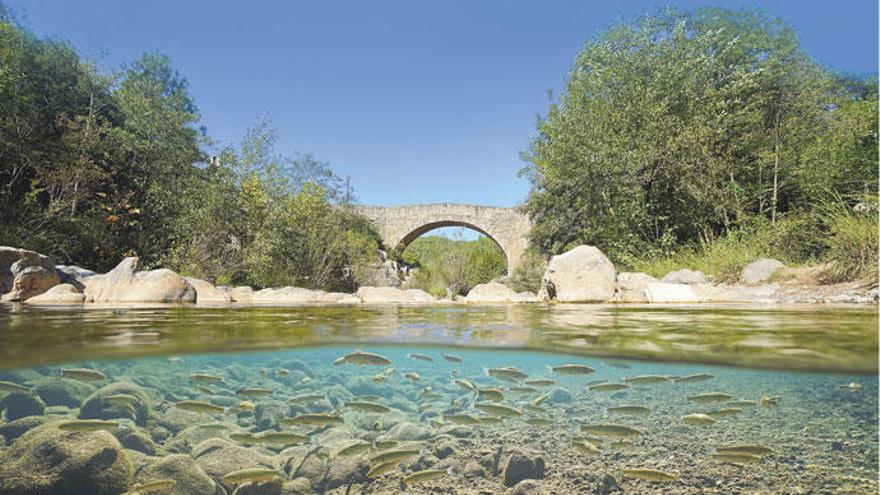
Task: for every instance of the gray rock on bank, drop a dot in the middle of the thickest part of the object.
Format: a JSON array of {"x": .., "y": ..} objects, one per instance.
[
  {"x": 583, "y": 274},
  {"x": 124, "y": 284},
  {"x": 207, "y": 293},
  {"x": 760, "y": 271},
  {"x": 685, "y": 276},
  {"x": 631, "y": 287},
  {"x": 383, "y": 295},
  {"x": 25, "y": 274},
  {"x": 663, "y": 292},
  {"x": 494, "y": 292}
]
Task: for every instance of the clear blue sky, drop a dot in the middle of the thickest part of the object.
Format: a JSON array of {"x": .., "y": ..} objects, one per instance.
[{"x": 417, "y": 101}]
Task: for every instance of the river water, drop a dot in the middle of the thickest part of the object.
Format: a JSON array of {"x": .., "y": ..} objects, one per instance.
[{"x": 461, "y": 399}]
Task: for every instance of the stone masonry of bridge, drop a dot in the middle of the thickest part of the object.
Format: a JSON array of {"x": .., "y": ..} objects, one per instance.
[{"x": 400, "y": 225}]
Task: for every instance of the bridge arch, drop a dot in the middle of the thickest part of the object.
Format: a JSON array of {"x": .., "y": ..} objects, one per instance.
[{"x": 400, "y": 225}]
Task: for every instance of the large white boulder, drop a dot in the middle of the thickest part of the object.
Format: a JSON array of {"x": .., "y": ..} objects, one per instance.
[
  {"x": 60, "y": 294},
  {"x": 494, "y": 292},
  {"x": 124, "y": 284},
  {"x": 392, "y": 295},
  {"x": 583, "y": 274},
  {"x": 631, "y": 287},
  {"x": 207, "y": 293},
  {"x": 760, "y": 270},
  {"x": 685, "y": 276},
  {"x": 24, "y": 274},
  {"x": 663, "y": 292}
]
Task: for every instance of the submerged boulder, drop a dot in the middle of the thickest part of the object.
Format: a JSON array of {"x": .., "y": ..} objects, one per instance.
[
  {"x": 392, "y": 295},
  {"x": 124, "y": 284},
  {"x": 522, "y": 465},
  {"x": 47, "y": 461},
  {"x": 19, "y": 405},
  {"x": 14, "y": 429},
  {"x": 583, "y": 274},
  {"x": 190, "y": 478},
  {"x": 760, "y": 270},
  {"x": 57, "y": 391},
  {"x": 24, "y": 274},
  {"x": 218, "y": 457},
  {"x": 97, "y": 407}
]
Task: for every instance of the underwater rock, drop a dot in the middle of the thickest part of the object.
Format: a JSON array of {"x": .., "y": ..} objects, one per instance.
[
  {"x": 190, "y": 478},
  {"x": 14, "y": 429},
  {"x": 335, "y": 471},
  {"x": 25, "y": 274},
  {"x": 219, "y": 457},
  {"x": 444, "y": 448},
  {"x": 607, "y": 485},
  {"x": 271, "y": 487},
  {"x": 631, "y": 287},
  {"x": 392, "y": 295},
  {"x": 407, "y": 431},
  {"x": 59, "y": 294},
  {"x": 473, "y": 469},
  {"x": 57, "y": 391},
  {"x": 493, "y": 292},
  {"x": 297, "y": 365},
  {"x": 298, "y": 486},
  {"x": 185, "y": 439},
  {"x": 526, "y": 487},
  {"x": 582, "y": 274},
  {"x": 125, "y": 284},
  {"x": 760, "y": 270},
  {"x": 685, "y": 276},
  {"x": 522, "y": 465},
  {"x": 136, "y": 440},
  {"x": 47, "y": 460},
  {"x": 96, "y": 407},
  {"x": 19, "y": 405},
  {"x": 207, "y": 293},
  {"x": 560, "y": 396}
]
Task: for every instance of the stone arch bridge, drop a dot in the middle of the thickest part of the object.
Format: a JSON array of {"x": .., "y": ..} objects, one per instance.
[{"x": 400, "y": 225}]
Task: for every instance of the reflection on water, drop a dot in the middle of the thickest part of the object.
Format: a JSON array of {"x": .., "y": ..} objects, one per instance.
[
  {"x": 427, "y": 419},
  {"x": 820, "y": 338}
]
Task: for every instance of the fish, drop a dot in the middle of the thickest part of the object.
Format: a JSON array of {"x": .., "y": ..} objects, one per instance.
[
  {"x": 316, "y": 419},
  {"x": 493, "y": 394},
  {"x": 360, "y": 358},
  {"x": 852, "y": 386},
  {"x": 585, "y": 447},
  {"x": 173, "y": 359},
  {"x": 384, "y": 444},
  {"x": 461, "y": 419},
  {"x": 572, "y": 369},
  {"x": 742, "y": 403},
  {"x": 204, "y": 378},
  {"x": 84, "y": 374},
  {"x": 151, "y": 486},
  {"x": 539, "y": 400},
  {"x": 465, "y": 384},
  {"x": 629, "y": 410},
  {"x": 618, "y": 365},
  {"x": 767, "y": 401},
  {"x": 412, "y": 376},
  {"x": 523, "y": 390},
  {"x": 611, "y": 430},
  {"x": 264, "y": 372},
  {"x": 501, "y": 410},
  {"x": 420, "y": 357},
  {"x": 709, "y": 397},
  {"x": 14, "y": 387},
  {"x": 393, "y": 456},
  {"x": 698, "y": 419},
  {"x": 428, "y": 393},
  {"x": 533, "y": 408},
  {"x": 508, "y": 374},
  {"x": 725, "y": 412},
  {"x": 490, "y": 420},
  {"x": 246, "y": 405},
  {"x": 198, "y": 406},
  {"x": 253, "y": 392},
  {"x": 121, "y": 400},
  {"x": 538, "y": 422},
  {"x": 751, "y": 449},
  {"x": 649, "y": 475},
  {"x": 622, "y": 444},
  {"x": 540, "y": 382},
  {"x": 425, "y": 475},
  {"x": 251, "y": 474},
  {"x": 382, "y": 468},
  {"x": 370, "y": 407},
  {"x": 452, "y": 358},
  {"x": 608, "y": 387},
  {"x": 383, "y": 376},
  {"x": 354, "y": 449},
  {"x": 282, "y": 372},
  {"x": 646, "y": 379},
  {"x": 213, "y": 426},
  {"x": 698, "y": 377},
  {"x": 242, "y": 437},
  {"x": 306, "y": 399},
  {"x": 205, "y": 390},
  {"x": 281, "y": 438},
  {"x": 734, "y": 457},
  {"x": 87, "y": 425}
]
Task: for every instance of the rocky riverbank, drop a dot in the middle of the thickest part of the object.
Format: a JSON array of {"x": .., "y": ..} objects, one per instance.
[{"x": 582, "y": 275}]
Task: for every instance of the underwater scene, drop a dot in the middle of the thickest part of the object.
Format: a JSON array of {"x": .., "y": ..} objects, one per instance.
[{"x": 432, "y": 419}]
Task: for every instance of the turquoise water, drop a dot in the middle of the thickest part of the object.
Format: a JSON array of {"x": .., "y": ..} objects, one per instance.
[{"x": 819, "y": 429}]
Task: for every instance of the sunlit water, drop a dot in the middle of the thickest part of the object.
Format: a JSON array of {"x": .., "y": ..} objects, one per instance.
[{"x": 817, "y": 431}]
